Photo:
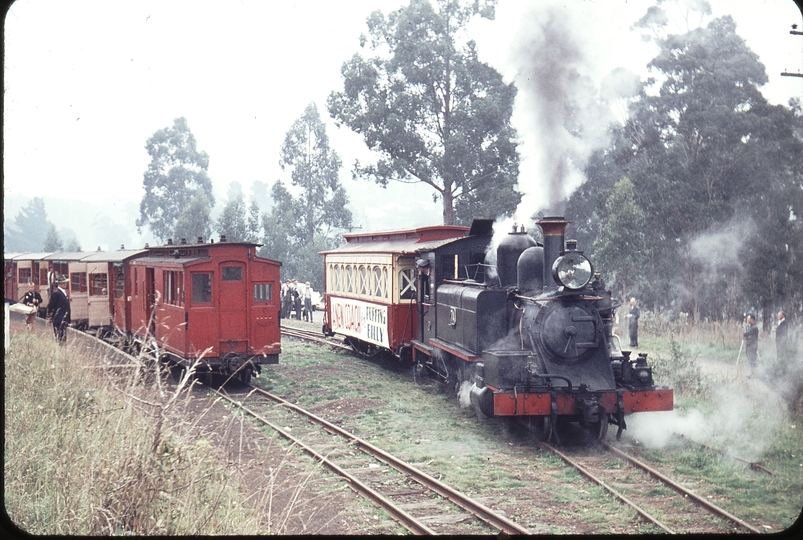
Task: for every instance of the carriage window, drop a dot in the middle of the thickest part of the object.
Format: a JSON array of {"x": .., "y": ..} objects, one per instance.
[
  {"x": 61, "y": 268},
  {"x": 174, "y": 287},
  {"x": 98, "y": 284},
  {"x": 350, "y": 278},
  {"x": 232, "y": 273},
  {"x": 364, "y": 285},
  {"x": 407, "y": 284},
  {"x": 119, "y": 281},
  {"x": 378, "y": 282},
  {"x": 263, "y": 292},
  {"x": 201, "y": 288},
  {"x": 78, "y": 282},
  {"x": 25, "y": 275},
  {"x": 337, "y": 278}
]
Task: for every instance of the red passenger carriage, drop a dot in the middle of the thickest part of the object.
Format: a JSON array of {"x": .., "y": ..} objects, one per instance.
[{"x": 213, "y": 302}]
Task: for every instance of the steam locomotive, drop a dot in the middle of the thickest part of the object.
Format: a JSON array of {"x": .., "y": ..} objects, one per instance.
[{"x": 527, "y": 337}]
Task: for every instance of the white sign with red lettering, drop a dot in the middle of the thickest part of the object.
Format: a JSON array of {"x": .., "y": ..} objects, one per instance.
[{"x": 362, "y": 320}]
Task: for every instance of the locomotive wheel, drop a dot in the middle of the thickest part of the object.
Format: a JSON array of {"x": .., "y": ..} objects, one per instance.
[
  {"x": 599, "y": 430},
  {"x": 542, "y": 428}
]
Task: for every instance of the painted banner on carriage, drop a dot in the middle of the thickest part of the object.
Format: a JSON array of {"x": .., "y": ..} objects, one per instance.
[{"x": 362, "y": 320}]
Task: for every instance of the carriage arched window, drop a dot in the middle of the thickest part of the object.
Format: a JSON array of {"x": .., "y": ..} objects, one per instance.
[
  {"x": 349, "y": 279},
  {"x": 338, "y": 281},
  {"x": 364, "y": 286},
  {"x": 407, "y": 284},
  {"x": 378, "y": 282},
  {"x": 385, "y": 283}
]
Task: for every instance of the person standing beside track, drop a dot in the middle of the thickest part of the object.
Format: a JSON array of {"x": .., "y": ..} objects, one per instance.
[
  {"x": 781, "y": 336},
  {"x": 751, "y": 342},
  {"x": 59, "y": 310},
  {"x": 32, "y": 298},
  {"x": 632, "y": 322}
]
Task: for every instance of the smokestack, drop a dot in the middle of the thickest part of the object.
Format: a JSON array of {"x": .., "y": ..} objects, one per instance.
[{"x": 554, "y": 228}]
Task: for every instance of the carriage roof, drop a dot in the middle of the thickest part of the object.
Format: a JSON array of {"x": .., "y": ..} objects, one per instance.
[{"x": 407, "y": 241}]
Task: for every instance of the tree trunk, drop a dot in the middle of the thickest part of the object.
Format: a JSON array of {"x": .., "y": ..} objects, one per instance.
[{"x": 448, "y": 206}]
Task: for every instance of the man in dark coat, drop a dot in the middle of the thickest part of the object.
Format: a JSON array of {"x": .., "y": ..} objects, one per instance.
[
  {"x": 59, "y": 310},
  {"x": 751, "y": 341},
  {"x": 781, "y": 336},
  {"x": 632, "y": 322}
]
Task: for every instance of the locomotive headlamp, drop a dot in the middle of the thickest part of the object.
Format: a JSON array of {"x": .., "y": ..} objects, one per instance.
[{"x": 572, "y": 270}]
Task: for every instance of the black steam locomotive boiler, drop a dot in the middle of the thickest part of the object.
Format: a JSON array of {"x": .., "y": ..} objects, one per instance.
[{"x": 532, "y": 339}]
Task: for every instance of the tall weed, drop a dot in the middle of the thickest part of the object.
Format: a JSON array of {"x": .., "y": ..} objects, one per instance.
[
  {"x": 679, "y": 370},
  {"x": 82, "y": 459}
]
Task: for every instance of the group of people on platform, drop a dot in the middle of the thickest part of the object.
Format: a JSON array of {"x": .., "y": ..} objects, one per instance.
[
  {"x": 296, "y": 300},
  {"x": 58, "y": 308}
]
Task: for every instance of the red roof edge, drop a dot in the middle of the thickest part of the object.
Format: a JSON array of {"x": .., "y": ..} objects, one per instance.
[{"x": 421, "y": 234}]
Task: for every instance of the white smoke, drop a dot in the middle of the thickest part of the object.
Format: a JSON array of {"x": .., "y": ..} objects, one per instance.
[
  {"x": 558, "y": 112},
  {"x": 748, "y": 416},
  {"x": 464, "y": 394},
  {"x": 561, "y": 114},
  {"x": 718, "y": 247}
]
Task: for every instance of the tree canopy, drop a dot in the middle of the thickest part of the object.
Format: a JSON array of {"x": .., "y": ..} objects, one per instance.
[
  {"x": 717, "y": 173},
  {"x": 29, "y": 229},
  {"x": 175, "y": 176},
  {"x": 431, "y": 110}
]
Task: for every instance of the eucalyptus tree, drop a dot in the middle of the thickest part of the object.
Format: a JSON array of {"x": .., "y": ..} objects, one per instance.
[
  {"x": 307, "y": 215},
  {"x": 176, "y": 174},
  {"x": 29, "y": 229},
  {"x": 195, "y": 221},
  {"x": 314, "y": 168},
  {"x": 707, "y": 150},
  {"x": 232, "y": 221},
  {"x": 432, "y": 111},
  {"x": 53, "y": 241},
  {"x": 621, "y": 246}
]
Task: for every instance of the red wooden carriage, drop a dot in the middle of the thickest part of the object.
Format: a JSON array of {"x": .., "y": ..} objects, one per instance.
[{"x": 214, "y": 302}]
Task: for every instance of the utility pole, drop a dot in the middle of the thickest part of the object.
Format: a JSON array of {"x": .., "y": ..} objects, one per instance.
[{"x": 794, "y": 32}]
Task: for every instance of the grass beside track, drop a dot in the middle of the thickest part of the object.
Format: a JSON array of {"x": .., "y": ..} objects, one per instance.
[
  {"x": 423, "y": 424},
  {"x": 81, "y": 459}
]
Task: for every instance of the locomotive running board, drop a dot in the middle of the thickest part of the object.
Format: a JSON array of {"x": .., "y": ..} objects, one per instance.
[{"x": 455, "y": 350}]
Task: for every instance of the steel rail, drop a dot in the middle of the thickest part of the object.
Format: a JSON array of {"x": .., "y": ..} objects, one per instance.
[
  {"x": 312, "y": 336},
  {"x": 466, "y": 503},
  {"x": 680, "y": 489},
  {"x": 588, "y": 474},
  {"x": 402, "y": 517}
]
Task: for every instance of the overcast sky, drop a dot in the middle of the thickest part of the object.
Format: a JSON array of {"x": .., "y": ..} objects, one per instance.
[{"x": 88, "y": 82}]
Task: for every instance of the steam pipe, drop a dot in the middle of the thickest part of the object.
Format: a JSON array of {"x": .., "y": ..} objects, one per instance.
[{"x": 554, "y": 228}]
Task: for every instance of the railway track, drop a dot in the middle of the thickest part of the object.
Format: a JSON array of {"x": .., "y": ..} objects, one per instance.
[
  {"x": 313, "y": 336},
  {"x": 656, "y": 498},
  {"x": 418, "y": 502}
]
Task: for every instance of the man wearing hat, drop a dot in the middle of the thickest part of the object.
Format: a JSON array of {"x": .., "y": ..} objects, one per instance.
[{"x": 59, "y": 309}]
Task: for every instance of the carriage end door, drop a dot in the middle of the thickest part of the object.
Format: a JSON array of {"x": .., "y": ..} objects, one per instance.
[{"x": 233, "y": 306}]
